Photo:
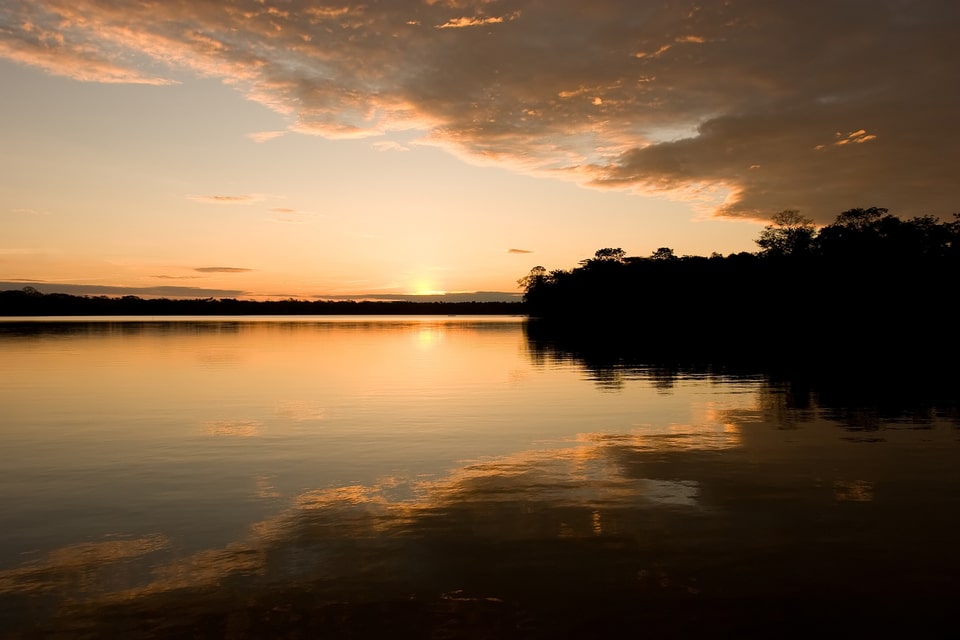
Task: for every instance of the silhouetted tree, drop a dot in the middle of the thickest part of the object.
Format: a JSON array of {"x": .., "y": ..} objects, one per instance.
[
  {"x": 663, "y": 253},
  {"x": 530, "y": 282},
  {"x": 953, "y": 237},
  {"x": 860, "y": 219},
  {"x": 790, "y": 234},
  {"x": 608, "y": 254},
  {"x": 536, "y": 274},
  {"x": 853, "y": 235}
]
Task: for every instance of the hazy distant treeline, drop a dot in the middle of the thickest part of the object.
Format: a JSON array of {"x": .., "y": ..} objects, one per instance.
[
  {"x": 29, "y": 302},
  {"x": 870, "y": 279}
]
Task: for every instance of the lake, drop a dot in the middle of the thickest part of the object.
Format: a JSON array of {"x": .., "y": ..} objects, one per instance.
[{"x": 457, "y": 477}]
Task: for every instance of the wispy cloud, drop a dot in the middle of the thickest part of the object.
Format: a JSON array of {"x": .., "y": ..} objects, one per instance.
[
  {"x": 854, "y": 137},
  {"x": 290, "y": 215},
  {"x": 518, "y": 251},
  {"x": 226, "y": 199},
  {"x": 264, "y": 136},
  {"x": 221, "y": 269},
  {"x": 166, "y": 277},
  {"x": 50, "y": 51},
  {"x": 474, "y": 21},
  {"x": 672, "y": 98},
  {"x": 29, "y": 212}
]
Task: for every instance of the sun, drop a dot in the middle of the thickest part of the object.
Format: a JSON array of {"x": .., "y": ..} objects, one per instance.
[{"x": 426, "y": 288}]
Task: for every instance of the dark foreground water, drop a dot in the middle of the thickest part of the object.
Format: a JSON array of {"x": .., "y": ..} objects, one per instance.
[{"x": 458, "y": 478}]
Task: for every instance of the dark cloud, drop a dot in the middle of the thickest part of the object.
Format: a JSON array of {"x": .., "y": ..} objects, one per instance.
[
  {"x": 99, "y": 289},
  {"x": 736, "y": 106},
  {"x": 518, "y": 251},
  {"x": 222, "y": 269}
]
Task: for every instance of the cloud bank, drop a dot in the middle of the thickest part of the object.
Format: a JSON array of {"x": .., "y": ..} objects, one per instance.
[{"x": 743, "y": 107}]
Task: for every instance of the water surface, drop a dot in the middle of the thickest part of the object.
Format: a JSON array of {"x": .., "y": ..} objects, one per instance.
[{"x": 448, "y": 477}]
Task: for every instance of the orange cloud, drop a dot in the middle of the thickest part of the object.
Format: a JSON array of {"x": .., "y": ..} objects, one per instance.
[
  {"x": 652, "y": 54},
  {"x": 607, "y": 94},
  {"x": 460, "y": 23},
  {"x": 264, "y": 136},
  {"x": 225, "y": 199},
  {"x": 75, "y": 64}
]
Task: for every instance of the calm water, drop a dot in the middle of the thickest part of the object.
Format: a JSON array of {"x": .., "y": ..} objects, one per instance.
[{"x": 451, "y": 477}]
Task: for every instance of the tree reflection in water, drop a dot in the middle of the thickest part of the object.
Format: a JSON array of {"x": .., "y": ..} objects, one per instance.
[{"x": 780, "y": 522}]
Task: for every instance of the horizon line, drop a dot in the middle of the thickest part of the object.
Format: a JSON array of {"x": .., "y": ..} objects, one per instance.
[{"x": 189, "y": 293}]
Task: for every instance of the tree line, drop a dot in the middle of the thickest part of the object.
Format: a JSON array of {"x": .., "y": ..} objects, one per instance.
[
  {"x": 868, "y": 278},
  {"x": 30, "y": 302}
]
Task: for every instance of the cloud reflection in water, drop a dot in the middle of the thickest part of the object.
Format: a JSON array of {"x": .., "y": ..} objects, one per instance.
[{"x": 606, "y": 521}]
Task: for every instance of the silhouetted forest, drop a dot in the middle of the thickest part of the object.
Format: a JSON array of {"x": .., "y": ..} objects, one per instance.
[
  {"x": 869, "y": 281},
  {"x": 30, "y": 302}
]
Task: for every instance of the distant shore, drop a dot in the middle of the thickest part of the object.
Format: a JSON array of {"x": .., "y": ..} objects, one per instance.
[{"x": 28, "y": 302}]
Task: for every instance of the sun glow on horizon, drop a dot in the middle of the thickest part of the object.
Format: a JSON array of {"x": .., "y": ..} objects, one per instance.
[{"x": 425, "y": 287}]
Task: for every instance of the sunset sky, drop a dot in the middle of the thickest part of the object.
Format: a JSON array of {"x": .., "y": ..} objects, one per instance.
[{"x": 272, "y": 148}]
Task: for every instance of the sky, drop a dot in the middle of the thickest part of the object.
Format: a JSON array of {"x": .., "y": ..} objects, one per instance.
[{"x": 320, "y": 149}]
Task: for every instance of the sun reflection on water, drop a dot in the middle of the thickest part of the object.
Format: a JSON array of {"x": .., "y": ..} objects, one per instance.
[{"x": 438, "y": 464}]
